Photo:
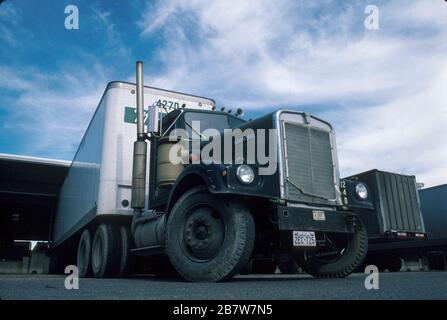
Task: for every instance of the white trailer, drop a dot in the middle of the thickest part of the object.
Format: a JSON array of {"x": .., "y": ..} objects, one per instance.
[{"x": 98, "y": 183}]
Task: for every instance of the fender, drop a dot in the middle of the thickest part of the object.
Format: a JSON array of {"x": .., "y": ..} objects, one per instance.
[
  {"x": 219, "y": 182},
  {"x": 194, "y": 175}
]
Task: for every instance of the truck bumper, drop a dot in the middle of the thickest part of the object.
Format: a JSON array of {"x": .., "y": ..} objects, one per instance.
[
  {"x": 319, "y": 220},
  {"x": 405, "y": 235}
]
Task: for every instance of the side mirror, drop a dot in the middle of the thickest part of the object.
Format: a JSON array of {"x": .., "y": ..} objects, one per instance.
[{"x": 152, "y": 123}]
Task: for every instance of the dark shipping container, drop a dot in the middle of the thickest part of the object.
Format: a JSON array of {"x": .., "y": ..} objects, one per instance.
[
  {"x": 430, "y": 252},
  {"x": 397, "y": 212}
]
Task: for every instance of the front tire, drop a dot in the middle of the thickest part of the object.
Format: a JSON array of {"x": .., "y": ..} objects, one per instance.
[
  {"x": 351, "y": 254},
  {"x": 208, "y": 238}
]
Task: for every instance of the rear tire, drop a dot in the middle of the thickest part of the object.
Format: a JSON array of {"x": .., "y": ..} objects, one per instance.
[
  {"x": 83, "y": 255},
  {"x": 105, "y": 251},
  {"x": 126, "y": 262},
  {"x": 349, "y": 260},
  {"x": 208, "y": 238}
]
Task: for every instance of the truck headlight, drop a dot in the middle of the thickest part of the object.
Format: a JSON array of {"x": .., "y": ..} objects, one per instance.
[
  {"x": 245, "y": 174},
  {"x": 361, "y": 191}
]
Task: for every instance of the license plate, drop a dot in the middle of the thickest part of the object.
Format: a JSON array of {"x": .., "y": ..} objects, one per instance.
[{"x": 304, "y": 239}]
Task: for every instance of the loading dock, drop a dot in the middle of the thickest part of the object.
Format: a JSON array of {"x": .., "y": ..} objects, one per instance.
[{"x": 29, "y": 188}]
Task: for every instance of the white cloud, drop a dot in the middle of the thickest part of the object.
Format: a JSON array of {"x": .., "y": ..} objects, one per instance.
[
  {"x": 115, "y": 44},
  {"x": 11, "y": 80},
  {"x": 407, "y": 134},
  {"x": 387, "y": 85},
  {"x": 8, "y": 18},
  {"x": 51, "y": 112},
  {"x": 8, "y": 12}
]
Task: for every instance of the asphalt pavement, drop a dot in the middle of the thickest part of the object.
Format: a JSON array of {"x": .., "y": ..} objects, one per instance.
[{"x": 400, "y": 285}]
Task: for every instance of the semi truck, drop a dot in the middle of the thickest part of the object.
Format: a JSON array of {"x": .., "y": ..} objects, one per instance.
[{"x": 272, "y": 189}]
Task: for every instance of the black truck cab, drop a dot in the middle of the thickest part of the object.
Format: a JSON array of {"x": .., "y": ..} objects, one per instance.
[
  {"x": 296, "y": 209},
  {"x": 165, "y": 174}
]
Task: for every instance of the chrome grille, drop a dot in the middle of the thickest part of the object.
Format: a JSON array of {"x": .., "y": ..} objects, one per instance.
[{"x": 309, "y": 164}]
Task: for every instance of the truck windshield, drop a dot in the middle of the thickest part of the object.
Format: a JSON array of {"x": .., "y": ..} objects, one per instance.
[{"x": 216, "y": 121}]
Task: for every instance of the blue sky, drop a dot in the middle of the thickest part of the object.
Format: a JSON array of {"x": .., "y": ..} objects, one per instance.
[{"x": 384, "y": 90}]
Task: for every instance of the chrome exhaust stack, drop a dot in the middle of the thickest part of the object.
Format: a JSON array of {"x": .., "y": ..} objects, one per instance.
[{"x": 138, "y": 200}]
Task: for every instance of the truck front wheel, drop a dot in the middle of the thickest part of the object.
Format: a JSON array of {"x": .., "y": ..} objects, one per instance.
[
  {"x": 208, "y": 238},
  {"x": 343, "y": 254}
]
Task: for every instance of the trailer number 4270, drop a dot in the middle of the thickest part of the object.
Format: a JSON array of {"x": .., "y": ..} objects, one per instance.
[{"x": 130, "y": 113}]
